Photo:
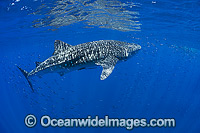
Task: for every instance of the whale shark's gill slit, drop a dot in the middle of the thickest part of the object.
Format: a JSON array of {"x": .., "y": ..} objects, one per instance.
[{"x": 25, "y": 73}]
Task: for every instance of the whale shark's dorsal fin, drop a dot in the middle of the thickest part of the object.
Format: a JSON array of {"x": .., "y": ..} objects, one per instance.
[
  {"x": 108, "y": 65},
  {"x": 60, "y": 46}
]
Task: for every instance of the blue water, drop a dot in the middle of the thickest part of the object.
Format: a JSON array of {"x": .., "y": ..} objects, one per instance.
[{"x": 160, "y": 81}]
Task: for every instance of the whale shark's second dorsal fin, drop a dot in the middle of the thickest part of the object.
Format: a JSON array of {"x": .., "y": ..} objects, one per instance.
[
  {"x": 37, "y": 63},
  {"x": 60, "y": 46}
]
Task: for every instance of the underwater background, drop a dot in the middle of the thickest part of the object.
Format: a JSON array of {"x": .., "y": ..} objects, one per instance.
[{"x": 161, "y": 81}]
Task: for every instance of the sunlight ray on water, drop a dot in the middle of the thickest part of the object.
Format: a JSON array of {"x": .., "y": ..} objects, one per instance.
[{"x": 109, "y": 14}]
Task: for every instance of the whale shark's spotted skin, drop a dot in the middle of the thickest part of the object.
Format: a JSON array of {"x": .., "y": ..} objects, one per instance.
[{"x": 66, "y": 58}]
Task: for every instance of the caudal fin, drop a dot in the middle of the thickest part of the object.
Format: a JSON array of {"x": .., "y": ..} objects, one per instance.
[{"x": 25, "y": 73}]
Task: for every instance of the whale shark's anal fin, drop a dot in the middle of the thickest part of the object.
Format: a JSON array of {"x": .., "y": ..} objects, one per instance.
[
  {"x": 25, "y": 73},
  {"x": 108, "y": 65},
  {"x": 60, "y": 46},
  {"x": 61, "y": 73}
]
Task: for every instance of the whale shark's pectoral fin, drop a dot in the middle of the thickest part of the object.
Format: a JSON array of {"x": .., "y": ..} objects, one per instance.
[
  {"x": 108, "y": 65},
  {"x": 60, "y": 46}
]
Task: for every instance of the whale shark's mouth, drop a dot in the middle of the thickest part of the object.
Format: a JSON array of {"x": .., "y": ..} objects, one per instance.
[{"x": 139, "y": 47}]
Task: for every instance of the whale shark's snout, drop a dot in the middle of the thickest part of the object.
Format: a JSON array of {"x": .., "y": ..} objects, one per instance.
[
  {"x": 138, "y": 46},
  {"x": 132, "y": 48}
]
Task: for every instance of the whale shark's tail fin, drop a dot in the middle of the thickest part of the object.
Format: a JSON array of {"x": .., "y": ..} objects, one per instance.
[{"x": 25, "y": 73}]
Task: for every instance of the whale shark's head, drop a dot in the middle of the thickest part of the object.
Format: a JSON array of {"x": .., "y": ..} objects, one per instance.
[
  {"x": 132, "y": 48},
  {"x": 128, "y": 50}
]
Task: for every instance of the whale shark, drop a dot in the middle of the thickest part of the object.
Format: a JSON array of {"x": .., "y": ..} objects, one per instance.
[{"x": 67, "y": 58}]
